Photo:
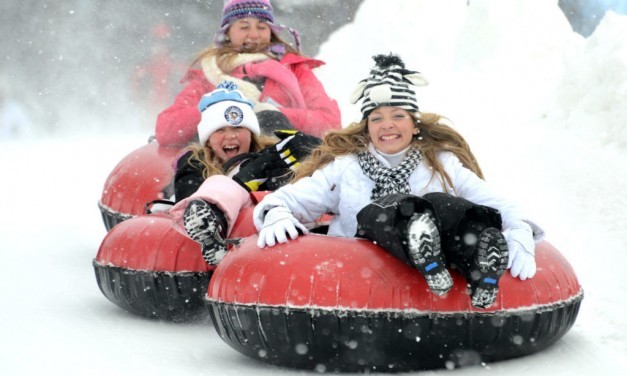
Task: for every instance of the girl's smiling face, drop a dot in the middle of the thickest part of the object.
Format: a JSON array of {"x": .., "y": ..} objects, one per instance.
[
  {"x": 391, "y": 129},
  {"x": 228, "y": 142},
  {"x": 249, "y": 33}
]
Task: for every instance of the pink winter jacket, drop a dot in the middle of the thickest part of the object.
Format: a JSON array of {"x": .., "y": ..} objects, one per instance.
[{"x": 302, "y": 98}]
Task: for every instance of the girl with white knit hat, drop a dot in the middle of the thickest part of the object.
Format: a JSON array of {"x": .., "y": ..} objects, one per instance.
[{"x": 214, "y": 177}]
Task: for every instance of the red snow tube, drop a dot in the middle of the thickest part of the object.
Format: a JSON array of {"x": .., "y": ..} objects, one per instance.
[
  {"x": 335, "y": 305},
  {"x": 149, "y": 269},
  {"x": 142, "y": 176}
]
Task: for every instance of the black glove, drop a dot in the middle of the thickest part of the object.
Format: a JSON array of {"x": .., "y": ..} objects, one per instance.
[
  {"x": 254, "y": 172},
  {"x": 273, "y": 166},
  {"x": 276, "y": 179},
  {"x": 295, "y": 146}
]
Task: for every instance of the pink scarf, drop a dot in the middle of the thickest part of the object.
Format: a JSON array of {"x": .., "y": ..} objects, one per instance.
[{"x": 277, "y": 72}]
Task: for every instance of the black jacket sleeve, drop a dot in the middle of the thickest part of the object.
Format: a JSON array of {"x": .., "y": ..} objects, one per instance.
[{"x": 188, "y": 177}]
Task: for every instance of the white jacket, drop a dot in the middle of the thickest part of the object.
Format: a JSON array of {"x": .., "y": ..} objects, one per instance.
[{"x": 341, "y": 188}]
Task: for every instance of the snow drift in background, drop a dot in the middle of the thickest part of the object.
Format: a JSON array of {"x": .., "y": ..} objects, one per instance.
[
  {"x": 593, "y": 89},
  {"x": 523, "y": 46}
]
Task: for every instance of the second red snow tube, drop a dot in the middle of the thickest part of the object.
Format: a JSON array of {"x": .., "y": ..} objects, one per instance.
[
  {"x": 149, "y": 269},
  {"x": 142, "y": 176}
]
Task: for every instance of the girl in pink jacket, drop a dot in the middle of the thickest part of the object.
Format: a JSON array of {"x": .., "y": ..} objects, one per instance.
[{"x": 268, "y": 71}]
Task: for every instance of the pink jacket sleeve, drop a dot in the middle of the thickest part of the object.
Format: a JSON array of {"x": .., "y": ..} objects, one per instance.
[
  {"x": 220, "y": 190},
  {"x": 322, "y": 112},
  {"x": 177, "y": 124}
]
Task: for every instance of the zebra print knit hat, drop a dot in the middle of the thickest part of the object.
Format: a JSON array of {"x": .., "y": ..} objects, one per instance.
[{"x": 388, "y": 85}]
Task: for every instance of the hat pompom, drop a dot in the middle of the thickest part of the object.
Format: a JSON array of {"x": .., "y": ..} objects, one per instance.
[
  {"x": 386, "y": 61},
  {"x": 225, "y": 91}
]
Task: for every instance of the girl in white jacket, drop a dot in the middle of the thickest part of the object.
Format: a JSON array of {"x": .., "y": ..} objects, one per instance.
[{"x": 409, "y": 182}]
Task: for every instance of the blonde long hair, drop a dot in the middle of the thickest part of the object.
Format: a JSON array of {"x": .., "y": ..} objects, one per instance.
[
  {"x": 213, "y": 165},
  {"x": 434, "y": 136}
]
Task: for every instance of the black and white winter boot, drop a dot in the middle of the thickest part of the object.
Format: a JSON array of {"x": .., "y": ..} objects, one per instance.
[
  {"x": 203, "y": 226},
  {"x": 426, "y": 254},
  {"x": 490, "y": 262}
]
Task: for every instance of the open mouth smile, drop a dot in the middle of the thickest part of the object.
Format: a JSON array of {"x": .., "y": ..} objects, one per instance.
[
  {"x": 231, "y": 150},
  {"x": 389, "y": 137}
]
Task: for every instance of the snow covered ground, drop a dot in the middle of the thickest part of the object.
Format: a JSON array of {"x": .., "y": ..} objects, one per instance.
[{"x": 543, "y": 109}]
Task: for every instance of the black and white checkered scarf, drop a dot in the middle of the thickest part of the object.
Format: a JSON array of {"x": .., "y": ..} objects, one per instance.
[{"x": 389, "y": 180}]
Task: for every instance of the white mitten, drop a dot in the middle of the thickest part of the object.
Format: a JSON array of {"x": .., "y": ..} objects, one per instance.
[
  {"x": 277, "y": 224},
  {"x": 259, "y": 213},
  {"x": 522, "y": 250}
]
